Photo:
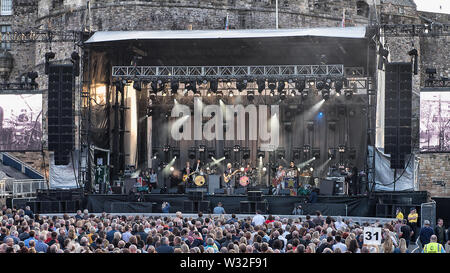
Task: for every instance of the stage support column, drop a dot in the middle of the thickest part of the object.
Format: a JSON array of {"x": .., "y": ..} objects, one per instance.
[{"x": 149, "y": 143}]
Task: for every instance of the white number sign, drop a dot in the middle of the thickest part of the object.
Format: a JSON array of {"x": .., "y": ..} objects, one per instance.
[{"x": 372, "y": 236}]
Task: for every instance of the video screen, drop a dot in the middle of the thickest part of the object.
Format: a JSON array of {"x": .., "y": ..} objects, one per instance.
[
  {"x": 20, "y": 122},
  {"x": 435, "y": 121}
]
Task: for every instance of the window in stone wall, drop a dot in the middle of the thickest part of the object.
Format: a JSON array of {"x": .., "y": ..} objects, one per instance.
[
  {"x": 362, "y": 8},
  {"x": 56, "y": 4},
  {"x": 4, "y": 29},
  {"x": 6, "y": 7}
]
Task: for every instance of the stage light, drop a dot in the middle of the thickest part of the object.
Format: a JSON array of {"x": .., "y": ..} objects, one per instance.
[
  {"x": 250, "y": 96},
  {"x": 320, "y": 115},
  {"x": 155, "y": 154},
  {"x": 192, "y": 154},
  {"x": 311, "y": 169},
  {"x": 171, "y": 168},
  {"x": 229, "y": 83},
  {"x": 281, "y": 154},
  {"x": 48, "y": 57},
  {"x": 305, "y": 94},
  {"x": 176, "y": 153},
  {"x": 191, "y": 86},
  {"x": 227, "y": 153},
  {"x": 174, "y": 85},
  {"x": 292, "y": 93},
  {"x": 152, "y": 96},
  {"x": 137, "y": 85},
  {"x": 316, "y": 153},
  {"x": 272, "y": 85},
  {"x": 214, "y": 85},
  {"x": 154, "y": 86},
  {"x": 310, "y": 125},
  {"x": 32, "y": 76},
  {"x": 331, "y": 154},
  {"x": 261, "y": 154},
  {"x": 306, "y": 148},
  {"x": 281, "y": 86},
  {"x": 241, "y": 85},
  {"x": 341, "y": 148},
  {"x": 230, "y": 93},
  {"x": 283, "y": 95},
  {"x": 348, "y": 93},
  {"x": 211, "y": 153},
  {"x": 261, "y": 85},
  {"x": 300, "y": 85},
  {"x": 219, "y": 94},
  {"x": 201, "y": 148},
  {"x": 236, "y": 148},
  {"x": 325, "y": 94},
  {"x": 296, "y": 154},
  {"x": 166, "y": 148},
  {"x": 246, "y": 154},
  {"x": 264, "y": 169},
  {"x": 242, "y": 169},
  {"x": 338, "y": 85},
  {"x": 272, "y": 93},
  {"x": 320, "y": 85}
]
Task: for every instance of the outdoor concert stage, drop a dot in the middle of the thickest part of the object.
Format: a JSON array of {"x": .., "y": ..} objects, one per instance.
[{"x": 379, "y": 204}]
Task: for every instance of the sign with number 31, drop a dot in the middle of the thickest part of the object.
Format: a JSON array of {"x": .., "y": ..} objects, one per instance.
[{"x": 372, "y": 236}]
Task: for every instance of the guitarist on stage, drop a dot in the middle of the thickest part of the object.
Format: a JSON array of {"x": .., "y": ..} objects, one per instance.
[
  {"x": 278, "y": 181},
  {"x": 228, "y": 174},
  {"x": 187, "y": 171}
]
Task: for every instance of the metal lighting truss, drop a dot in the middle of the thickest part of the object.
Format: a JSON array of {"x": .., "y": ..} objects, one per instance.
[{"x": 272, "y": 72}]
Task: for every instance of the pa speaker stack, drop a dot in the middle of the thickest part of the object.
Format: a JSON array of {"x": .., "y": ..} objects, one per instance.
[
  {"x": 61, "y": 111},
  {"x": 196, "y": 203},
  {"x": 397, "y": 119}
]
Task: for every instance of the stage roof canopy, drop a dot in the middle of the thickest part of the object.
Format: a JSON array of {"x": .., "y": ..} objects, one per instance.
[
  {"x": 112, "y": 36},
  {"x": 309, "y": 46}
]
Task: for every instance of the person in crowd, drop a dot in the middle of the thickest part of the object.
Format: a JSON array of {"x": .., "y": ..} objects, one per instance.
[
  {"x": 297, "y": 210},
  {"x": 405, "y": 232},
  {"x": 433, "y": 246},
  {"x": 440, "y": 232},
  {"x": 219, "y": 209},
  {"x": 399, "y": 214},
  {"x": 258, "y": 219},
  {"x": 413, "y": 217},
  {"x": 425, "y": 233}
]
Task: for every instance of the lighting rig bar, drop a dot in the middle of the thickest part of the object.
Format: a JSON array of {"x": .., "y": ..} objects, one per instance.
[
  {"x": 424, "y": 30},
  {"x": 275, "y": 72},
  {"x": 41, "y": 36}
]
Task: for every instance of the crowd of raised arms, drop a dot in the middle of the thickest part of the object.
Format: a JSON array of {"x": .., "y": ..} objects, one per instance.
[{"x": 22, "y": 231}]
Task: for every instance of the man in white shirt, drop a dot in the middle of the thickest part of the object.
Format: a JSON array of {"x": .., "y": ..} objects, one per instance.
[
  {"x": 339, "y": 224},
  {"x": 258, "y": 219},
  {"x": 340, "y": 245}
]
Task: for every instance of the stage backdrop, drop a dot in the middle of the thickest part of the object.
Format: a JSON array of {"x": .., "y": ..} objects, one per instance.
[{"x": 20, "y": 122}]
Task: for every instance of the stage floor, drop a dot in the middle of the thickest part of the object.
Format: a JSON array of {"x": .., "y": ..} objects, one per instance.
[{"x": 280, "y": 205}]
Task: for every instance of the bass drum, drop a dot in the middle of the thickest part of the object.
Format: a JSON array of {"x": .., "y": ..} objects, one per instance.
[
  {"x": 199, "y": 180},
  {"x": 244, "y": 181}
]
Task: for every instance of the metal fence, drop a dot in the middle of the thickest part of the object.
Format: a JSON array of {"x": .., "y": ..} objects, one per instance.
[{"x": 28, "y": 187}]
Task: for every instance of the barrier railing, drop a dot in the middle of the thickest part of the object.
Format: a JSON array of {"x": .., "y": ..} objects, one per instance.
[
  {"x": 3, "y": 192},
  {"x": 28, "y": 187}
]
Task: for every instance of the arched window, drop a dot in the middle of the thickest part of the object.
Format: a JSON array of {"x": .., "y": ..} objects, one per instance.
[
  {"x": 6, "y": 7},
  {"x": 362, "y": 8}
]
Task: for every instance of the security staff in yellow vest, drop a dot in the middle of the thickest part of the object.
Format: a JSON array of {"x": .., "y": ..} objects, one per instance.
[{"x": 433, "y": 246}]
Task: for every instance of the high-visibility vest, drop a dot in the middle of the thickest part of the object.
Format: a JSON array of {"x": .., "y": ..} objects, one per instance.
[{"x": 432, "y": 248}]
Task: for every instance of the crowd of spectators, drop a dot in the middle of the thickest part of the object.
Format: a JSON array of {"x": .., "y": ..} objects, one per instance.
[{"x": 22, "y": 231}]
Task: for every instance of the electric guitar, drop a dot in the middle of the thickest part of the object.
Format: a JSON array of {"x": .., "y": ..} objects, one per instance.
[
  {"x": 227, "y": 178},
  {"x": 186, "y": 176}
]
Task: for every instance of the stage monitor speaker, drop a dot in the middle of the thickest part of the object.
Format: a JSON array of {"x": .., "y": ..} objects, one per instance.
[
  {"x": 254, "y": 195},
  {"x": 195, "y": 195},
  {"x": 156, "y": 191},
  {"x": 252, "y": 207},
  {"x": 204, "y": 206},
  {"x": 132, "y": 207},
  {"x": 326, "y": 187},
  {"x": 285, "y": 192},
  {"x": 129, "y": 184},
  {"x": 265, "y": 191},
  {"x": 213, "y": 183},
  {"x": 116, "y": 190},
  {"x": 71, "y": 206},
  {"x": 173, "y": 191},
  {"x": 239, "y": 191}
]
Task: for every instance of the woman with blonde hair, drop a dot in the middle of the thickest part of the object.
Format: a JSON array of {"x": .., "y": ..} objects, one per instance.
[
  {"x": 311, "y": 248},
  {"x": 402, "y": 248},
  {"x": 388, "y": 245}
]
